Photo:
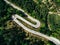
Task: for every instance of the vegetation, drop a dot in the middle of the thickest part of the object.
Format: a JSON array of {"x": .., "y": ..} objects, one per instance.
[
  {"x": 55, "y": 25},
  {"x": 12, "y": 34}
]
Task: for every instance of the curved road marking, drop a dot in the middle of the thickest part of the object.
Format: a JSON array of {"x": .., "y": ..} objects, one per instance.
[{"x": 54, "y": 40}]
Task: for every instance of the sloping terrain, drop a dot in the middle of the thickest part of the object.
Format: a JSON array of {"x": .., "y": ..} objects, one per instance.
[{"x": 12, "y": 34}]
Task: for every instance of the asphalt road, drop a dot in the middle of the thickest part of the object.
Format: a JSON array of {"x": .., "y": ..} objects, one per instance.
[
  {"x": 54, "y": 40},
  {"x": 35, "y": 26}
]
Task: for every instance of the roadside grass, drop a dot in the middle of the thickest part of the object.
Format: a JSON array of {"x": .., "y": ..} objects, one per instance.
[
  {"x": 55, "y": 25},
  {"x": 55, "y": 22}
]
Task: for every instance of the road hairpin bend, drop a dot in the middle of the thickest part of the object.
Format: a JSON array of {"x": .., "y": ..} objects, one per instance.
[{"x": 14, "y": 17}]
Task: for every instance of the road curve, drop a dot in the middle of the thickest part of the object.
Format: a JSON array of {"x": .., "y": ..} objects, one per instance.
[
  {"x": 54, "y": 40},
  {"x": 37, "y": 22}
]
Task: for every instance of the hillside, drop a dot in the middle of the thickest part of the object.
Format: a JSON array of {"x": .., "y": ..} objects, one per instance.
[{"x": 13, "y": 34}]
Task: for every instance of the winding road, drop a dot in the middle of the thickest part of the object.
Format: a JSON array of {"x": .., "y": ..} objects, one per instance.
[
  {"x": 54, "y": 40},
  {"x": 35, "y": 26}
]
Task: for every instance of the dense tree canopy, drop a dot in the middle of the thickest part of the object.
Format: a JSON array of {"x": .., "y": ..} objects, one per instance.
[{"x": 12, "y": 34}]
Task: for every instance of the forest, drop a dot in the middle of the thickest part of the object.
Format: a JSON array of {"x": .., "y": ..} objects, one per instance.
[{"x": 12, "y": 34}]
